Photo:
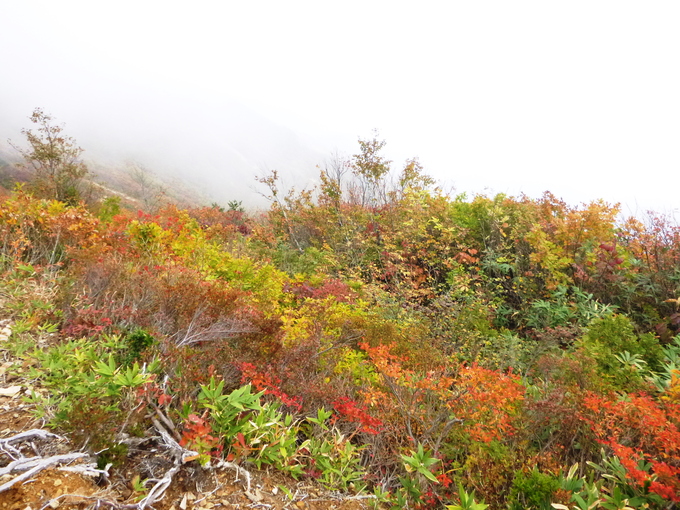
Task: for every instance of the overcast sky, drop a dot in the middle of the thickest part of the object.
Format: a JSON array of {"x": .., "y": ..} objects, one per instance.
[{"x": 581, "y": 98}]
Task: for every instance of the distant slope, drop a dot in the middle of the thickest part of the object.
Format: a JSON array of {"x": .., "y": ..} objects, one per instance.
[{"x": 215, "y": 149}]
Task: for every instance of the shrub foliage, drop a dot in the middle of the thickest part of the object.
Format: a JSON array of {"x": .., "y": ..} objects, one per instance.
[{"x": 375, "y": 334}]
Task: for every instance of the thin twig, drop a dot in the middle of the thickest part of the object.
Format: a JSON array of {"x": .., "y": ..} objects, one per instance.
[
  {"x": 88, "y": 470},
  {"x": 168, "y": 423},
  {"x": 208, "y": 494}
]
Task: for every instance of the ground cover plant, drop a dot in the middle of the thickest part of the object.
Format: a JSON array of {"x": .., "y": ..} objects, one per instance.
[{"x": 375, "y": 335}]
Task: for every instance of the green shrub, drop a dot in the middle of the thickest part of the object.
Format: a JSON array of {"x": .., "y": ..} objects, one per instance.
[
  {"x": 532, "y": 491},
  {"x": 263, "y": 435},
  {"x": 109, "y": 208},
  {"x": 567, "y": 305},
  {"x": 135, "y": 343},
  {"x": 609, "y": 337}
]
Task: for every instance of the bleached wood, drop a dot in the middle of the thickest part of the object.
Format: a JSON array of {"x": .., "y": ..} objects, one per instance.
[{"x": 34, "y": 466}]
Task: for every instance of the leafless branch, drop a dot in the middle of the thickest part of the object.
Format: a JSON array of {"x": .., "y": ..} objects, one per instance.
[
  {"x": 239, "y": 470},
  {"x": 157, "y": 492},
  {"x": 223, "y": 328},
  {"x": 32, "y": 466}
]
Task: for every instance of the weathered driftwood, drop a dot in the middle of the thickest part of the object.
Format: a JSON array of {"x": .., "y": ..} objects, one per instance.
[
  {"x": 29, "y": 466},
  {"x": 34, "y": 465},
  {"x": 157, "y": 492}
]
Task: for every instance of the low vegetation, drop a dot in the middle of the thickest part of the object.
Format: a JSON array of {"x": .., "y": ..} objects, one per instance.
[{"x": 373, "y": 334}]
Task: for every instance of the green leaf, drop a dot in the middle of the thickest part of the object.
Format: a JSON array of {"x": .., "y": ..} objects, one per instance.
[{"x": 106, "y": 369}]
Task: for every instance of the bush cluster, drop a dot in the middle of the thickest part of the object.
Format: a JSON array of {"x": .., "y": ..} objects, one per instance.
[{"x": 437, "y": 351}]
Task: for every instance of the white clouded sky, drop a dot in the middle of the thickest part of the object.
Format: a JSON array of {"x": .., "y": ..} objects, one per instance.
[{"x": 580, "y": 97}]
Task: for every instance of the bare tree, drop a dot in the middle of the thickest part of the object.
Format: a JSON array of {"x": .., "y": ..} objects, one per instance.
[
  {"x": 271, "y": 180},
  {"x": 333, "y": 176},
  {"x": 149, "y": 192}
]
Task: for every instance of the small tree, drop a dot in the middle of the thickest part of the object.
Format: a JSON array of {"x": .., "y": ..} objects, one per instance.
[
  {"x": 371, "y": 169},
  {"x": 54, "y": 159},
  {"x": 149, "y": 191}
]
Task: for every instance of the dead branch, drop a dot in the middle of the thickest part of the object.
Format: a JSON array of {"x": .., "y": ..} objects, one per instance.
[
  {"x": 224, "y": 328},
  {"x": 180, "y": 453},
  {"x": 239, "y": 470},
  {"x": 168, "y": 423},
  {"x": 157, "y": 492},
  {"x": 33, "y": 466},
  {"x": 88, "y": 470},
  {"x": 133, "y": 441},
  {"x": 29, "y": 434},
  {"x": 98, "y": 502}
]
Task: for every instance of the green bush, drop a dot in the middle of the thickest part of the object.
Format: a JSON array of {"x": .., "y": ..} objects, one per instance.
[
  {"x": 135, "y": 343},
  {"x": 609, "y": 337},
  {"x": 532, "y": 491},
  {"x": 108, "y": 208},
  {"x": 567, "y": 305},
  {"x": 261, "y": 434}
]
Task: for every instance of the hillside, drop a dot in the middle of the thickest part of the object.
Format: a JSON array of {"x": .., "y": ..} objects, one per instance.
[
  {"x": 137, "y": 186},
  {"x": 213, "y": 149},
  {"x": 374, "y": 339}
]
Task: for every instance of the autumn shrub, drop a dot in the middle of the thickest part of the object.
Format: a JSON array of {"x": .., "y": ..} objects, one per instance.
[
  {"x": 164, "y": 274},
  {"x": 193, "y": 363},
  {"x": 452, "y": 410},
  {"x": 41, "y": 231},
  {"x": 173, "y": 301},
  {"x": 262, "y": 434},
  {"x": 557, "y": 385},
  {"x": 551, "y": 423},
  {"x": 464, "y": 329},
  {"x": 654, "y": 247},
  {"x": 568, "y": 368},
  {"x": 644, "y": 434},
  {"x": 221, "y": 224},
  {"x": 488, "y": 468},
  {"x": 296, "y": 377},
  {"x": 190, "y": 366},
  {"x": 94, "y": 423},
  {"x": 564, "y": 237},
  {"x": 472, "y": 394},
  {"x": 553, "y": 340},
  {"x": 268, "y": 384}
]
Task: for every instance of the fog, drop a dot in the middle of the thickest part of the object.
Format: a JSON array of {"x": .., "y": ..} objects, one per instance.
[
  {"x": 578, "y": 98},
  {"x": 216, "y": 146}
]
